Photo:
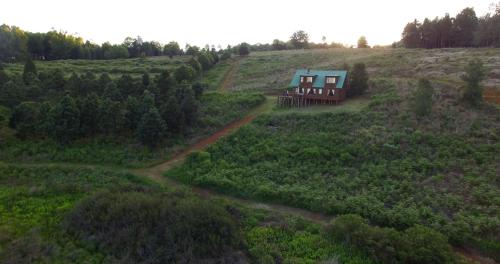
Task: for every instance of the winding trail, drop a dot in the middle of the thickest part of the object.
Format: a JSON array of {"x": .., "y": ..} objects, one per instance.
[
  {"x": 155, "y": 173},
  {"x": 228, "y": 81}
]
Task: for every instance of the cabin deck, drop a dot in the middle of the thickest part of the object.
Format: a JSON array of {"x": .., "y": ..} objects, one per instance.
[{"x": 295, "y": 100}]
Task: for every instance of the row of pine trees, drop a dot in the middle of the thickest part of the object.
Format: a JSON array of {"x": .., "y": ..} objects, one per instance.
[
  {"x": 48, "y": 105},
  {"x": 463, "y": 30}
]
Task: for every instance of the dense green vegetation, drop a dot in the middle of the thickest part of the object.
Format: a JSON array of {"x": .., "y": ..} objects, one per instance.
[
  {"x": 417, "y": 244},
  {"x": 296, "y": 241},
  {"x": 35, "y": 199},
  {"x": 55, "y": 214},
  {"x": 380, "y": 163},
  {"x": 464, "y": 30},
  {"x": 148, "y": 227},
  {"x": 127, "y": 120},
  {"x": 216, "y": 110}
]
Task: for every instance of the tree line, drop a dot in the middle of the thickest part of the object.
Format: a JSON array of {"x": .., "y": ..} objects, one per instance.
[
  {"x": 17, "y": 44},
  {"x": 463, "y": 30},
  {"x": 87, "y": 105}
]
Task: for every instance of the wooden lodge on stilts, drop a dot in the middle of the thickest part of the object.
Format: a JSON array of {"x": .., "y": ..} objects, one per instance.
[{"x": 313, "y": 87}]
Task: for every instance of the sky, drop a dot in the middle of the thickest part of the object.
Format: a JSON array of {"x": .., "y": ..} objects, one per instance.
[{"x": 223, "y": 22}]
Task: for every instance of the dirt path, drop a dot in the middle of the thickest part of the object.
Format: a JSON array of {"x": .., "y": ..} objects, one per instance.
[
  {"x": 155, "y": 173},
  {"x": 228, "y": 82}
]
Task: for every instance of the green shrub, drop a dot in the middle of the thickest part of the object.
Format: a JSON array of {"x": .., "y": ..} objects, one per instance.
[
  {"x": 416, "y": 244},
  {"x": 154, "y": 228}
]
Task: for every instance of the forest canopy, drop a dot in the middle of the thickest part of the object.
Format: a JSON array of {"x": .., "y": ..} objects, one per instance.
[{"x": 463, "y": 30}]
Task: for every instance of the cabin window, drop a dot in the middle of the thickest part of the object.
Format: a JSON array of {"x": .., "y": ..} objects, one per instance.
[
  {"x": 309, "y": 79},
  {"x": 320, "y": 91},
  {"x": 331, "y": 80},
  {"x": 301, "y": 79},
  {"x": 331, "y": 93},
  {"x": 311, "y": 91},
  {"x": 301, "y": 90}
]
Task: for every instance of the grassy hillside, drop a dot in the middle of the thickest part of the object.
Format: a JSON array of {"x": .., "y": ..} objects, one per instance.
[
  {"x": 370, "y": 156},
  {"x": 421, "y": 184},
  {"x": 272, "y": 71},
  {"x": 115, "y": 67}
]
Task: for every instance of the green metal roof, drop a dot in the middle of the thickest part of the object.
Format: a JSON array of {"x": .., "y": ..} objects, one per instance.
[{"x": 319, "y": 80}]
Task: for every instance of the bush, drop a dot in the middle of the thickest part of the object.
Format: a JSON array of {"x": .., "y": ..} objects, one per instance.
[
  {"x": 474, "y": 74},
  {"x": 358, "y": 81},
  {"x": 244, "y": 49},
  {"x": 423, "y": 98},
  {"x": 417, "y": 244},
  {"x": 154, "y": 228}
]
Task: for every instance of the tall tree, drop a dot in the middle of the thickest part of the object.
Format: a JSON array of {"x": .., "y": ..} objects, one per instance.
[
  {"x": 44, "y": 123},
  {"x": 411, "y": 35},
  {"x": 24, "y": 119},
  {"x": 205, "y": 60},
  {"x": 193, "y": 62},
  {"x": 184, "y": 73},
  {"x": 464, "y": 26},
  {"x": 65, "y": 120},
  {"x": 73, "y": 85},
  {"x": 189, "y": 107},
  {"x": 299, "y": 39},
  {"x": 12, "y": 93},
  {"x": 445, "y": 29},
  {"x": 127, "y": 86},
  {"x": 148, "y": 102},
  {"x": 132, "y": 113},
  {"x": 151, "y": 128},
  {"x": 198, "y": 89},
  {"x": 172, "y": 114},
  {"x": 103, "y": 81},
  {"x": 362, "y": 43},
  {"x": 29, "y": 68},
  {"x": 55, "y": 81},
  {"x": 171, "y": 49},
  {"x": 164, "y": 86},
  {"x": 111, "y": 117},
  {"x": 423, "y": 98},
  {"x": 4, "y": 77},
  {"x": 89, "y": 111},
  {"x": 243, "y": 49},
  {"x": 474, "y": 74},
  {"x": 359, "y": 80},
  {"x": 111, "y": 92}
]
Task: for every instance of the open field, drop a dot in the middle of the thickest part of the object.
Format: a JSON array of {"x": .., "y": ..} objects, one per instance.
[
  {"x": 271, "y": 71},
  {"x": 115, "y": 68}
]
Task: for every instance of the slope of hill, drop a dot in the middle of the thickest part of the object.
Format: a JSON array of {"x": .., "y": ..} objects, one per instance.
[
  {"x": 375, "y": 159},
  {"x": 271, "y": 71}
]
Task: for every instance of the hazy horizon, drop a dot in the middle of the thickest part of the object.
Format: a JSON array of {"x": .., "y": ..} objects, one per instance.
[{"x": 223, "y": 22}]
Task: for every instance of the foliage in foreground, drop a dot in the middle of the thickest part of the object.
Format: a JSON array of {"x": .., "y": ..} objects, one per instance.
[
  {"x": 417, "y": 244},
  {"x": 53, "y": 214},
  {"x": 35, "y": 199},
  {"x": 137, "y": 227}
]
